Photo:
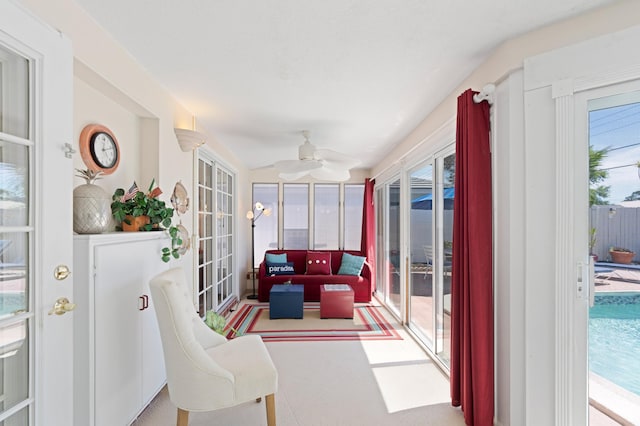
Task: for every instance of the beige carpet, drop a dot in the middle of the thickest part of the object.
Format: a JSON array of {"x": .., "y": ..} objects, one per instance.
[{"x": 376, "y": 382}]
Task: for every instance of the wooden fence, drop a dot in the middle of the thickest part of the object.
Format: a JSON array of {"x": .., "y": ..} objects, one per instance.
[{"x": 615, "y": 226}]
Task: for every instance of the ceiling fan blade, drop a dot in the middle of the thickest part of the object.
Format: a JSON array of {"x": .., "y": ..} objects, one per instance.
[
  {"x": 334, "y": 175},
  {"x": 337, "y": 159},
  {"x": 296, "y": 166},
  {"x": 293, "y": 176}
]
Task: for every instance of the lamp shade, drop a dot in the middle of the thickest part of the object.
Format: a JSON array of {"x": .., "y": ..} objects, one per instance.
[{"x": 189, "y": 139}]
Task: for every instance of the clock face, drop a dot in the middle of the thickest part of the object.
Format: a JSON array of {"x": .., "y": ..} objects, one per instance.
[
  {"x": 99, "y": 148},
  {"x": 103, "y": 150}
]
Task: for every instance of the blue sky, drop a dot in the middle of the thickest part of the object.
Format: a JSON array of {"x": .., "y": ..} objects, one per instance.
[{"x": 619, "y": 129}]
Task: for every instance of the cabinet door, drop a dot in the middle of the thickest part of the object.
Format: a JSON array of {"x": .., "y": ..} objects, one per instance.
[
  {"x": 152, "y": 362},
  {"x": 118, "y": 332}
]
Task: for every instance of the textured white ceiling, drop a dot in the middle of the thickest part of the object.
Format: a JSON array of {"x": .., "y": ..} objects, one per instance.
[{"x": 359, "y": 74}]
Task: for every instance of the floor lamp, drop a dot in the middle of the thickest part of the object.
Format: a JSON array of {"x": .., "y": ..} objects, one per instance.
[{"x": 253, "y": 215}]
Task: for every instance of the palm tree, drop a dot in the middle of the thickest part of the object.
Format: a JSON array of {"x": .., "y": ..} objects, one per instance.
[{"x": 598, "y": 194}]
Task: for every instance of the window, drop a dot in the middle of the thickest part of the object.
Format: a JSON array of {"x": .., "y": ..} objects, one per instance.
[
  {"x": 353, "y": 198},
  {"x": 326, "y": 218},
  {"x": 266, "y": 230},
  {"x": 296, "y": 216},
  {"x": 336, "y": 222}
]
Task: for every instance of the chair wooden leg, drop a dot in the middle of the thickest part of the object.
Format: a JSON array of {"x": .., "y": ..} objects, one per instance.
[
  {"x": 270, "y": 402},
  {"x": 183, "y": 417}
]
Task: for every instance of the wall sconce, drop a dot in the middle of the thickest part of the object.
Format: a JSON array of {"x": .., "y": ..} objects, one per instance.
[
  {"x": 189, "y": 140},
  {"x": 612, "y": 212}
]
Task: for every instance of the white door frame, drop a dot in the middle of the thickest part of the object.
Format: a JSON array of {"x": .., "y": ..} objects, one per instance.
[{"x": 557, "y": 369}]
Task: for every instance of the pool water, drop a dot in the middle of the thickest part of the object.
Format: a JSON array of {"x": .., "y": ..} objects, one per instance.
[
  {"x": 614, "y": 339},
  {"x": 11, "y": 302}
]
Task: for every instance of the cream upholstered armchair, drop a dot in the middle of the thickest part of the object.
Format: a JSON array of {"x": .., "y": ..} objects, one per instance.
[{"x": 205, "y": 371}]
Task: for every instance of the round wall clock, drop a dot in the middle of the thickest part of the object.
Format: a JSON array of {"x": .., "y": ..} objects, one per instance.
[{"x": 99, "y": 148}]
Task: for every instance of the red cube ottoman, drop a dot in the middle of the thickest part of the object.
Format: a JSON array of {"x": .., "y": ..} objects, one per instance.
[{"x": 336, "y": 301}]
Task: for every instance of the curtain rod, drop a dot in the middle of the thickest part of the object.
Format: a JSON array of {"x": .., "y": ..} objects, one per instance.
[{"x": 486, "y": 94}]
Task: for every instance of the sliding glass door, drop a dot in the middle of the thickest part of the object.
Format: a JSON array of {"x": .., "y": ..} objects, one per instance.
[
  {"x": 446, "y": 166},
  {"x": 421, "y": 253},
  {"x": 415, "y": 235},
  {"x": 389, "y": 268}
]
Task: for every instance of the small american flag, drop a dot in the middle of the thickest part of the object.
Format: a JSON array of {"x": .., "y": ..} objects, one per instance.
[{"x": 131, "y": 192}]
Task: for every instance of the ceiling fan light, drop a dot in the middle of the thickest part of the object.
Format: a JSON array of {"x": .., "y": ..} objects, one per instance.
[{"x": 306, "y": 151}]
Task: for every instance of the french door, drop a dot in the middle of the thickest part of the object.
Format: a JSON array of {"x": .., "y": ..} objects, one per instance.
[
  {"x": 36, "y": 362},
  {"x": 216, "y": 235}
]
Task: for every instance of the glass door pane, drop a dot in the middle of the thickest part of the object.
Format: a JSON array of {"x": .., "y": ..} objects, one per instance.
[
  {"x": 421, "y": 243},
  {"x": 224, "y": 234},
  {"x": 16, "y": 295},
  {"x": 382, "y": 268},
  {"x": 205, "y": 236},
  {"x": 14, "y": 94},
  {"x": 393, "y": 252},
  {"x": 614, "y": 222},
  {"x": 446, "y": 176}
]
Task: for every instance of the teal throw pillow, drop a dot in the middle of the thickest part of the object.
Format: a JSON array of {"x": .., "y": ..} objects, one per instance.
[
  {"x": 351, "y": 265},
  {"x": 275, "y": 258}
]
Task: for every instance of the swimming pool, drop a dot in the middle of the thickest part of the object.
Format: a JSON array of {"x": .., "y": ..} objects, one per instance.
[
  {"x": 614, "y": 339},
  {"x": 11, "y": 302}
]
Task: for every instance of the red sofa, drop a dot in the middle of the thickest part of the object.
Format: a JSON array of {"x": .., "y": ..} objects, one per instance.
[{"x": 361, "y": 284}]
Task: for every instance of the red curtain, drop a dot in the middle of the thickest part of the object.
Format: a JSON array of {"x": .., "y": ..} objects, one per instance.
[
  {"x": 472, "y": 384},
  {"x": 368, "y": 245}
]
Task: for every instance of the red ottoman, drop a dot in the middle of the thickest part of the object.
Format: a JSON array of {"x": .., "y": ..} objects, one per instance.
[{"x": 336, "y": 301}]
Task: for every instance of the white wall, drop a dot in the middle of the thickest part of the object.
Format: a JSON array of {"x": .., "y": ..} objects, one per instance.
[
  {"x": 114, "y": 90},
  {"x": 509, "y": 260}
]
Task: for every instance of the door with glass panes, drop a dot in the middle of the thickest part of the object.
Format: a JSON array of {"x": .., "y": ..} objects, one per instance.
[
  {"x": 216, "y": 188},
  {"x": 36, "y": 341}
]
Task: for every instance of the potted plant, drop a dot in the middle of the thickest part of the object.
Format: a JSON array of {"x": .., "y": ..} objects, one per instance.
[
  {"x": 217, "y": 323},
  {"x": 621, "y": 255},
  {"x": 139, "y": 211}
]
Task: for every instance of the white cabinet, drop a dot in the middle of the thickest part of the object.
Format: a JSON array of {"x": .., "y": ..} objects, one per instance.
[{"x": 119, "y": 365}]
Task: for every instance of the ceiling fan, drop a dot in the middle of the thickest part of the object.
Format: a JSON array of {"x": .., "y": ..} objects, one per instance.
[{"x": 323, "y": 164}]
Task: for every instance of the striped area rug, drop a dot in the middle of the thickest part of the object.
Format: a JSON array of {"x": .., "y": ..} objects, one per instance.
[{"x": 367, "y": 324}]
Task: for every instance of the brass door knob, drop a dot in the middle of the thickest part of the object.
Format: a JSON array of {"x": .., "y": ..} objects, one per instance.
[
  {"x": 62, "y": 306},
  {"x": 61, "y": 272}
]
